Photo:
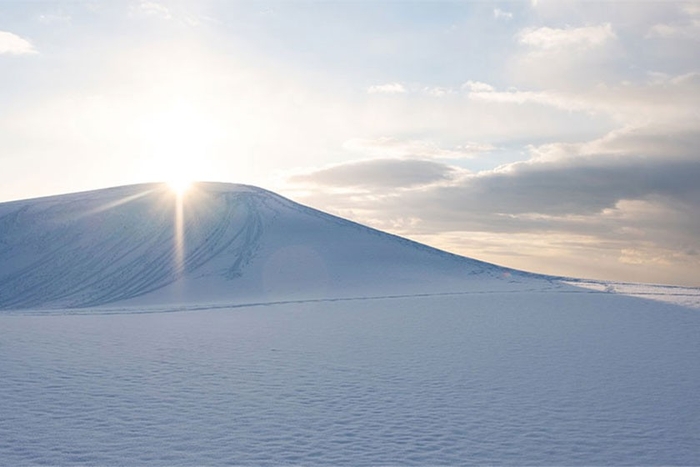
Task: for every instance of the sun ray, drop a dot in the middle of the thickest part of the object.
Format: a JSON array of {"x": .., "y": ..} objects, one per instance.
[
  {"x": 114, "y": 204},
  {"x": 179, "y": 236}
]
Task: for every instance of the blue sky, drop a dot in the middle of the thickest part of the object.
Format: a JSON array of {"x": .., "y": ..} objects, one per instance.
[{"x": 554, "y": 136}]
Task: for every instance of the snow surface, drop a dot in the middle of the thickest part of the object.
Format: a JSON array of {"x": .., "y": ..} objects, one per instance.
[
  {"x": 283, "y": 335},
  {"x": 520, "y": 378},
  {"x": 678, "y": 295}
]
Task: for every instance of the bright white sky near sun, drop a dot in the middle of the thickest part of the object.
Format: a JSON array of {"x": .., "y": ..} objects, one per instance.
[{"x": 555, "y": 136}]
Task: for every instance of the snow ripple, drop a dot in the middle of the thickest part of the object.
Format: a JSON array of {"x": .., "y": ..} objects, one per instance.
[{"x": 498, "y": 379}]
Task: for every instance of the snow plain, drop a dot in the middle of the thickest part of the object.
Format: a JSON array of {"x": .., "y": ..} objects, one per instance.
[{"x": 404, "y": 356}]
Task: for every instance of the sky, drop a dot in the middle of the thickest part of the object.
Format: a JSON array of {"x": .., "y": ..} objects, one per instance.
[{"x": 560, "y": 137}]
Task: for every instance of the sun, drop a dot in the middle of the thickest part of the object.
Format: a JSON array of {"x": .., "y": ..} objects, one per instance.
[
  {"x": 179, "y": 185},
  {"x": 178, "y": 143}
]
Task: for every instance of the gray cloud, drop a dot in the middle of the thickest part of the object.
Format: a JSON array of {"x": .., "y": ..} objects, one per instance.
[
  {"x": 634, "y": 194},
  {"x": 581, "y": 187},
  {"x": 567, "y": 181}
]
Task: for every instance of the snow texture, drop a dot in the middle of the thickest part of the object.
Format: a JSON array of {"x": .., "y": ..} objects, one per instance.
[
  {"x": 520, "y": 378},
  {"x": 281, "y": 335}
]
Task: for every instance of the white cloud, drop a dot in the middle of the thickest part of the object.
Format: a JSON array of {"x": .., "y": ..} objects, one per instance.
[
  {"x": 485, "y": 92},
  {"x": 569, "y": 57},
  {"x": 500, "y": 14},
  {"x": 437, "y": 91},
  {"x": 151, "y": 9},
  {"x": 390, "y": 88},
  {"x": 546, "y": 38},
  {"x": 177, "y": 12},
  {"x": 561, "y": 101},
  {"x": 14, "y": 45},
  {"x": 477, "y": 86},
  {"x": 661, "y": 99}
]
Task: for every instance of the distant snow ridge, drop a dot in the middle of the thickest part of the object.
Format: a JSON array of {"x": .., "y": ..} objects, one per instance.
[{"x": 122, "y": 246}]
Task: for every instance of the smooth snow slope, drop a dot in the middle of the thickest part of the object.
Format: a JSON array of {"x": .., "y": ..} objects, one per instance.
[{"x": 121, "y": 247}]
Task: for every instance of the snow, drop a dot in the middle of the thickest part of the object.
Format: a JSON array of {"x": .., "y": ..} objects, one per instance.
[
  {"x": 288, "y": 336},
  {"x": 119, "y": 247},
  {"x": 520, "y": 378},
  {"x": 678, "y": 295}
]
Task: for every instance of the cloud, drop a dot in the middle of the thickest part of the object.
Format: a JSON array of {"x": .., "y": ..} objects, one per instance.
[
  {"x": 579, "y": 186},
  {"x": 390, "y": 88},
  {"x": 55, "y": 18},
  {"x": 568, "y": 58},
  {"x": 151, "y": 9},
  {"x": 631, "y": 196},
  {"x": 663, "y": 99},
  {"x": 500, "y": 14},
  {"x": 437, "y": 91},
  {"x": 686, "y": 26},
  {"x": 687, "y": 30},
  {"x": 562, "y": 101},
  {"x": 585, "y": 37},
  {"x": 477, "y": 86},
  {"x": 14, "y": 45},
  {"x": 587, "y": 178},
  {"x": 657, "y": 97},
  {"x": 379, "y": 174},
  {"x": 391, "y": 147}
]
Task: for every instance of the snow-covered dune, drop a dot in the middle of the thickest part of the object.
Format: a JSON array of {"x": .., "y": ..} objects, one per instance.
[{"x": 220, "y": 244}]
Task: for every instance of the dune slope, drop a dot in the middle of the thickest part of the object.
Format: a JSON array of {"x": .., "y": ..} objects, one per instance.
[{"x": 141, "y": 245}]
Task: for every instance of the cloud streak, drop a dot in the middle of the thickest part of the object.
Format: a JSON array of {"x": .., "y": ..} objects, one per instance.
[
  {"x": 392, "y": 147},
  {"x": 379, "y": 174}
]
